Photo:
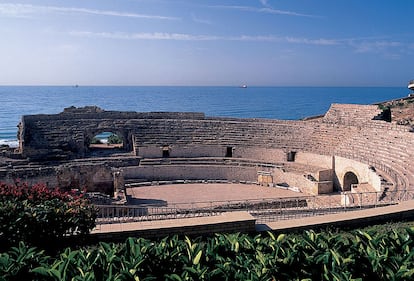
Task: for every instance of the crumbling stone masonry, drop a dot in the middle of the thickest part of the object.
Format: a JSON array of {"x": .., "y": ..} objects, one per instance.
[{"x": 348, "y": 146}]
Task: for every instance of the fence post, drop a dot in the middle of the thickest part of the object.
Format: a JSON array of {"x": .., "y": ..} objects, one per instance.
[
  {"x": 280, "y": 208},
  {"x": 297, "y": 208},
  {"x": 313, "y": 205},
  {"x": 346, "y": 198}
]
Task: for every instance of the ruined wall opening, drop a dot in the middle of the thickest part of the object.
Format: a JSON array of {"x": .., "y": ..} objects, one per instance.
[
  {"x": 291, "y": 155},
  {"x": 229, "y": 151},
  {"x": 349, "y": 179},
  {"x": 106, "y": 143},
  {"x": 385, "y": 115},
  {"x": 166, "y": 151}
]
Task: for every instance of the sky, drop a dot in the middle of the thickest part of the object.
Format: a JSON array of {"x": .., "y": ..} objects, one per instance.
[{"x": 207, "y": 42}]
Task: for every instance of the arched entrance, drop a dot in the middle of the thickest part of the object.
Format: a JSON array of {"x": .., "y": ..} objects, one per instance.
[
  {"x": 349, "y": 179},
  {"x": 105, "y": 143}
]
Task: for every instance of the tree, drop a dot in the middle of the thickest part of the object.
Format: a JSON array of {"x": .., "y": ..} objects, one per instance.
[{"x": 114, "y": 139}]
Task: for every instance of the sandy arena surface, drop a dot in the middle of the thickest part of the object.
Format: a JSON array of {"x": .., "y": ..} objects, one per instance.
[{"x": 186, "y": 193}]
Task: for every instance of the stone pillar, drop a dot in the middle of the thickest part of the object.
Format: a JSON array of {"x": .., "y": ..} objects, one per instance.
[{"x": 119, "y": 183}]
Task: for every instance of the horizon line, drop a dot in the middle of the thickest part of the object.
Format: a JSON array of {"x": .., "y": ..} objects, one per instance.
[{"x": 200, "y": 85}]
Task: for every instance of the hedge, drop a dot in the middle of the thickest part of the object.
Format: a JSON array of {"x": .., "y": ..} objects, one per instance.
[
  {"x": 41, "y": 216},
  {"x": 357, "y": 255}
]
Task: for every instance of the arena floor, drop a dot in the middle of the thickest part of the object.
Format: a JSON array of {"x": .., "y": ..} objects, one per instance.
[{"x": 211, "y": 192}]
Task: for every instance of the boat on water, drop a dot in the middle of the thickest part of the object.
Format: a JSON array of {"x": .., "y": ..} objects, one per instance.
[
  {"x": 411, "y": 85},
  {"x": 244, "y": 86}
]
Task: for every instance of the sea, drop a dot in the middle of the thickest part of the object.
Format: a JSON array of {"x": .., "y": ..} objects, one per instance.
[{"x": 287, "y": 103}]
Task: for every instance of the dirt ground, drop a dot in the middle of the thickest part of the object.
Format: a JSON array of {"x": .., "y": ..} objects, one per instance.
[{"x": 192, "y": 193}]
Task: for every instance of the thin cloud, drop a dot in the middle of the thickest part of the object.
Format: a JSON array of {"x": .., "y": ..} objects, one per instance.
[
  {"x": 385, "y": 48},
  {"x": 287, "y": 39},
  {"x": 306, "y": 41},
  {"x": 267, "y": 10},
  {"x": 145, "y": 36},
  {"x": 375, "y": 46},
  {"x": 27, "y": 10},
  {"x": 192, "y": 37},
  {"x": 200, "y": 20},
  {"x": 264, "y": 3},
  {"x": 388, "y": 49}
]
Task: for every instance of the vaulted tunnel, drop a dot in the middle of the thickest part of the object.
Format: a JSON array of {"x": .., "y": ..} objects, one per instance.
[{"x": 349, "y": 179}]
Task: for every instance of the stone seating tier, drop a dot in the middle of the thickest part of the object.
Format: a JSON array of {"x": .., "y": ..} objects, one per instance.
[
  {"x": 209, "y": 161},
  {"x": 345, "y": 130},
  {"x": 351, "y": 113},
  {"x": 390, "y": 149}
]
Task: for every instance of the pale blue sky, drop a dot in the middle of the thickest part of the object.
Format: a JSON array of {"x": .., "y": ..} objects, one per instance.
[{"x": 217, "y": 42}]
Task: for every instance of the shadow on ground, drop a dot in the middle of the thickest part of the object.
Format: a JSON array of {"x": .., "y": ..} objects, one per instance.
[{"x": 146, "y": 202}]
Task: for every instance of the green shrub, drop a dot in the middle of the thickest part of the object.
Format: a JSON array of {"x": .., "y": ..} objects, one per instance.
[
  {"x": 18, "y": 263},
  {"x": 383, "y": 107},
  {"x": 356, "y": 255},
  {"x": 114, "y": 139},
  {"x": 42, "y": 216}
]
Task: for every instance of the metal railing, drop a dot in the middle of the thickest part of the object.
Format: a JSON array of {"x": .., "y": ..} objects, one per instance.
[{"x": 264, "y": 210}]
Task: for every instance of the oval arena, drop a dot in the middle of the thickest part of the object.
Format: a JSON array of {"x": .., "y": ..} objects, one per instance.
[{"x": 353, "y": 157}]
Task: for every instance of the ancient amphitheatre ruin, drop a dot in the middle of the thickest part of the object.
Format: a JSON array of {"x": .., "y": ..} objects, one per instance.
[{"x": 353, "y": 156}]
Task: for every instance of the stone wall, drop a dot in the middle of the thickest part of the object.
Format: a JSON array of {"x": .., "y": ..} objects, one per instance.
[
  {"x": 94, "y": 177},
  {"x": 174, "y": 150},
  {"x": 31, "y": 175},
  {"x": 294, "y": 180},
  {"x": 192, "y": 172},
  {"x": 67, "y": 135},
  {"x": 349, "y": 134},
  {"x": 362, "y": 171},
  {"x": 272, "y": 155},
  {"x": 229, "y": 222},
  {"x": 352, "y": 113},
  {"x": 312, "y": 159}
]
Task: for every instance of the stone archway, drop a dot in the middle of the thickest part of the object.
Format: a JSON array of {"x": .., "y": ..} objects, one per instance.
[
  {"x": 98, "y": 147},
  {"x": 106, "y": 140},
  {"x": 350, "y": 178}
]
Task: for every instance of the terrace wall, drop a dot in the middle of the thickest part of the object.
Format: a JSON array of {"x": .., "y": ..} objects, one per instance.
[
  {"x": 191, "y": 172},
  {"x": 348, "y": 138}
]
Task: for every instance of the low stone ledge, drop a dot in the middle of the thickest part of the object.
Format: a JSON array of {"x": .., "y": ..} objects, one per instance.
[
  {"x": 361, "y": 218},
  {"x": 238, "y": 221},
  {"x": 169, "y": 182}
]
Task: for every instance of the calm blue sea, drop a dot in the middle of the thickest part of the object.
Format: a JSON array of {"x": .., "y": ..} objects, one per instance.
[{"x": 261, "y": 102}]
